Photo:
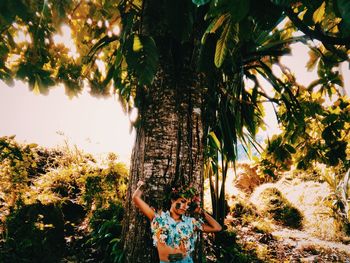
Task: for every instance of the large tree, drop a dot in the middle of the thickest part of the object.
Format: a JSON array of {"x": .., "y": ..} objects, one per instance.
[{"x": 183, "y": 65}]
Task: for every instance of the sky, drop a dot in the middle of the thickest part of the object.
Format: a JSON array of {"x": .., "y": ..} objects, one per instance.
[
  {"x": 98, "y": 125},
  {"x": 95, "y": 125}
]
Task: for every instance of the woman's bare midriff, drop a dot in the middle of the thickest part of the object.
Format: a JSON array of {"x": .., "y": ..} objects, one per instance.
[{"x": 164, "y": 251}]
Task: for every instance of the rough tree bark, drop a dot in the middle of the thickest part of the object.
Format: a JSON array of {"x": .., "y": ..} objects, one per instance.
[
  {"x": 169, "y": 139},
  {"x": 168, "y": 150}
]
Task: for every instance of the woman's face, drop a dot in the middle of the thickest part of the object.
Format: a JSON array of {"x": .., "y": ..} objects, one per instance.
[{"x": 180, "y": 205}]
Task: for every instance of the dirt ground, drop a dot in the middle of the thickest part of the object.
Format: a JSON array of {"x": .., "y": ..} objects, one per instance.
[{"x": 289, "y": 245}]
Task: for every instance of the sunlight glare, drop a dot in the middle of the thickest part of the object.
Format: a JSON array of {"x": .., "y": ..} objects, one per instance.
[
  {"x": 101, "y": 66},
  {"x": 133, "y": 115},
  {"x": 66, "y": 39},
  {"x": 96, "y": 126},
  {"x": 22, "y": 37},
  {"x": 116, "y": 30}
]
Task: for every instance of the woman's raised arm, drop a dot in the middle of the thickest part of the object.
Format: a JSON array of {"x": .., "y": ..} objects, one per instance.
[
  {"x": 212, "y": 225},
  {"x": 142, "y": 205}
]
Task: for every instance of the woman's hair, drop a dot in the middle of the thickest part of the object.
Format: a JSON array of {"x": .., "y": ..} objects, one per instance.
[
  {"x": 176, "y": 192},
  {"x": 187, "y": 192}
]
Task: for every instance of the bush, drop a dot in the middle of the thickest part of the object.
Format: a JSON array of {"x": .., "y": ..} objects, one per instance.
[
  {"x": 240, "y": 208},
  {"x": 281, "y": 209},
  {"x": 106, "y": 232},
  {"x": 35, "y": 233},
  {"x": 224, "y": 249},
  {"x": 48, "y": 197}
]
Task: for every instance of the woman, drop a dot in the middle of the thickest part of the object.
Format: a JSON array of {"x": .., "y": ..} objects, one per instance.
[{"x": 174, "y": 233}]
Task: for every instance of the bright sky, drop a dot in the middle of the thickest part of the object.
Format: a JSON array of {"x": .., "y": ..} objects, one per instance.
[
  {"x": 98, "y": 126},
  {"x": 94, "y": 125}
]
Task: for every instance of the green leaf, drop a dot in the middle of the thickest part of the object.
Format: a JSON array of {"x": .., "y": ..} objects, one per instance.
[
  {"x": 319, "y": 13},
  {"x": 266, "y": 14},
  {"x": 218, "y": 23},
  {"x": 143, "y": 64},
  {"x": 215, "y": 140},
  {"x": 269, "y": 172},
  {"x": 221, "y": 46},
  {"x": 290, "y": 148},
  {"x": 12, "y": 8},
  {"x": 137, "y": 46},
  {"x": 314, "y": 56},
  {"x": 344, "y": 28}
]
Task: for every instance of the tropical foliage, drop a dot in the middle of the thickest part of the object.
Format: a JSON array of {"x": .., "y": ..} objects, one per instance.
[
  {"x": 118, "y": 47},
  {"x": 59, "y": 203}
]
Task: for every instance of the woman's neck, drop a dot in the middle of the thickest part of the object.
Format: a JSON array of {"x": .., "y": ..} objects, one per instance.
[{"x": 177, "y": 217}]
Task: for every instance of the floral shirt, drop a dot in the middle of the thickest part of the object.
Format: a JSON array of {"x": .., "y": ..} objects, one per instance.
[{"x": 175, "y": 234}]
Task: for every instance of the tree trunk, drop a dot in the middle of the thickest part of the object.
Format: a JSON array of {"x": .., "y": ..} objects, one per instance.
[
  {"x": 169, "y": 139},
  {"x": 168, "y": 150}
]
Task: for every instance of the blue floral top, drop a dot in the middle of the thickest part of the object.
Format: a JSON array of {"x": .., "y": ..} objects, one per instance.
[{"x": 181, "y": 234}]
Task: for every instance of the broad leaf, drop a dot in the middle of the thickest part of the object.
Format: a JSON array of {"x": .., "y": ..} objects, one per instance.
[
  {"x": 137, "y": 46},
  {"x": 266, "y": 14},
  {"x": 143, "y": 63},
  {"x": 215, "y": 140},
  {"x": 319, "y": 13},
  {"x": 314, "y": 57},
  {"x": 221, "y": 46}
]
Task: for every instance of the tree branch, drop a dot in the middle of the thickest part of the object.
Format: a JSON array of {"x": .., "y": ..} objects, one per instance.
[{"x": 316, "y": 34}]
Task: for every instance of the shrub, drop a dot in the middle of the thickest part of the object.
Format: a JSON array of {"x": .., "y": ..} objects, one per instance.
[
  {"x": 224, "y": 249},
  {"x": 281, "y": 209},
  {"x": 35, "y": 233},
  {"x": 106, "y": 232},
  {"x": 49, "y": 196},
  {"x": 240, "y": 208}
]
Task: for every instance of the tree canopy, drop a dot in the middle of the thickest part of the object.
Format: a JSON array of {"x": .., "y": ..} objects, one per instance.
[{"x": 116, "y": 53}]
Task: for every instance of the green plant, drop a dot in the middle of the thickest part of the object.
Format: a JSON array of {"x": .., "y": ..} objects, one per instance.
[
  {"x": 106, "y": 233},
  {"x": 17, "y": 163},
  {"x": 225, "y": 249},
  {"x": 243, "y": 210},
  {"x": 281, "y": 209},
  {"x": 340, "y": 187},
  {"x": 276, "y": 158},
  {"x": 34, "y": 233},
  {"x": 48, "y": 197}
]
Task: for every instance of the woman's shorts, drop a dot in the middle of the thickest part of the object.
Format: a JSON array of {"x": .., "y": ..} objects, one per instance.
[{"x": 184, "y": 260}]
